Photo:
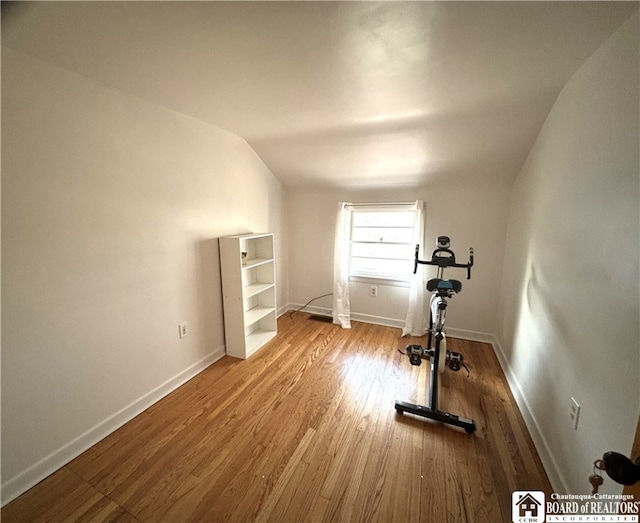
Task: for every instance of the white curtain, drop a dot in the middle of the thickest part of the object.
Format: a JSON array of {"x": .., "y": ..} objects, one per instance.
[
  {"x": 416, "y": 323},
  {"x": 341, "y": 306}
]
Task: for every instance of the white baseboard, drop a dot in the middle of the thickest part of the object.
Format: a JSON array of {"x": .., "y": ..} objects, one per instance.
[
  {"x": 556, "y": 477},
  {"x": 355, "y": 316},
  {"x": 282, "y": 310},
  {"x": 391, "y": 322},
  {"x": 464, "y": 334},
  {"x": 22, "y": 482},
  {"x": 312, "y": 309},
  {"x": 377, "y": 320}
]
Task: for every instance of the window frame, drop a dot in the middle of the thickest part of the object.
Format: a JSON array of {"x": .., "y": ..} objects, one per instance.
[{"x": 381, "y": 277}]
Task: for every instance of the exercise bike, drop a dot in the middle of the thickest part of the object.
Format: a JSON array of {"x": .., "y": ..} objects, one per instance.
[{"x": 436, "y": 350}]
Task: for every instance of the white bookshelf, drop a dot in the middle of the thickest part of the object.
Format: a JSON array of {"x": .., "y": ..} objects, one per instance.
[{"x": 248, "y": 291}]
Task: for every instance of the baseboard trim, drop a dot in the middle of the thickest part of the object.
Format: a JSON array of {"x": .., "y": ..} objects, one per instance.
[
  {"x": 312, "y": 309},
  {"x": 377, "y": 320},
  {"x": 391, "y": 322},
  {"x": 282, "y": 310},
  {"x": 464, "y": 334},
  {"x": 22, "y": 482},
  {"x": 355, "y": 316},
  {"x": 556, "y": 477}
]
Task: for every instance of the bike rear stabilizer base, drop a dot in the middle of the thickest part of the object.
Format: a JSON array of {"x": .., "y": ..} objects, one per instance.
[
  {"x": 455, "y": 359},
  {"x": 438, "y": 415}
]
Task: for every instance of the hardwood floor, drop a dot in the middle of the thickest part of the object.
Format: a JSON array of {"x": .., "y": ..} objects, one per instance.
[{"x": 306, "y": 430}]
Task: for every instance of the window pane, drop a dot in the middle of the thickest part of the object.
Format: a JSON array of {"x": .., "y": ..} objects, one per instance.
[
  {"x": 382, "y": 243},
  {"x": 382, "y": 250},
  {"x": 382, "y": 218},
  {"x": 377, "y": 267},
  {"x": 382, "y": 234}
]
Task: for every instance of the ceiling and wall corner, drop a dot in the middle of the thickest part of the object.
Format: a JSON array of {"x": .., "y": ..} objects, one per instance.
[{"x": 337, "y": 94}]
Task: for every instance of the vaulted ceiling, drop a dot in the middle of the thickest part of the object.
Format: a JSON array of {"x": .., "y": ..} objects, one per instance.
[{"x": 351, "y": 94}]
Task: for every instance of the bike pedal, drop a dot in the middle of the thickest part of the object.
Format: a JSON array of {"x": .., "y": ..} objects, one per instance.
[{"x": 455, "y": 360}]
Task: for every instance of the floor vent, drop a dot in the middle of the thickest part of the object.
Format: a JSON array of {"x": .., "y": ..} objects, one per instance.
[{"x": 318, "y": 317}]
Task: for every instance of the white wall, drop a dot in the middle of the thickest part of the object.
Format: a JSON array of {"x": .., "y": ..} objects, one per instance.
[
  {"x": 472, "y": 215},
  {"x": 111, "y": 207},
  {"x": 569, "y": 302}
]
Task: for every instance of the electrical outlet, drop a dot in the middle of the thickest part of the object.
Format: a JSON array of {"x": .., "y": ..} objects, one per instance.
[
  {"x": 373, "y": 291},
  {"x": 574, "y": 413},
  {"x": 183, "y": 329}
]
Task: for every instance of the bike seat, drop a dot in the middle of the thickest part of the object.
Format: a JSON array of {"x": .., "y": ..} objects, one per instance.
[{"x": 436, "y": 284}]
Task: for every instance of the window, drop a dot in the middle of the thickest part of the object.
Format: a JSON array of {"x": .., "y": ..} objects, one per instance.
[{"x": 381, "y": 243}]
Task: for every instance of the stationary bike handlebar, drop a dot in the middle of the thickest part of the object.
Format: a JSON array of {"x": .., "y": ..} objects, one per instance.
[{"x": 444, "y": 261}]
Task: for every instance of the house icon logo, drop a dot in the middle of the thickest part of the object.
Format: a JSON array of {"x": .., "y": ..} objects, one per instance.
[{"x": 527, "y": 506}]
